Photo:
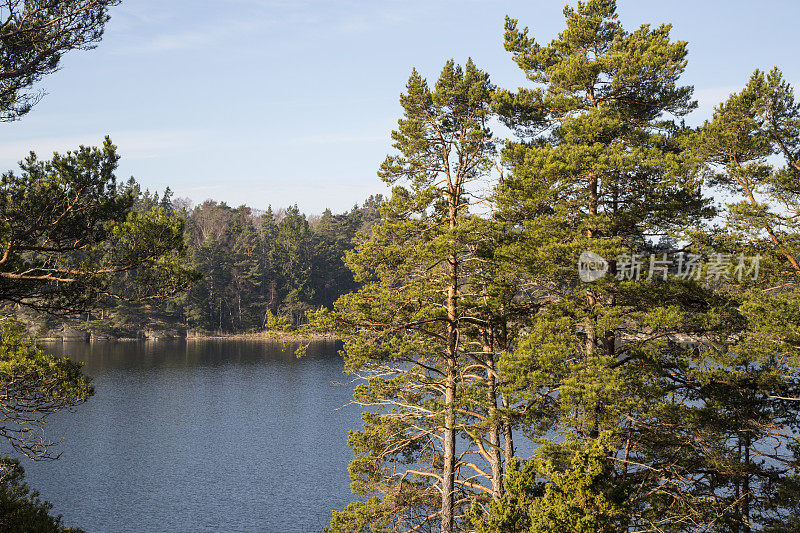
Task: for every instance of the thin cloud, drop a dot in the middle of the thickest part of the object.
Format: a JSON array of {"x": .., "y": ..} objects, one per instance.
[
  {"x": 136, "y": 29},
  {"x": 125, "y": 17},
  {"x": 196, "y": 38},
  {"x": 134, "y": 144}
]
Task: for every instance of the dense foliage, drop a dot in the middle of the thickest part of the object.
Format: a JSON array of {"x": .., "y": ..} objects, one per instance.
[
  {"x": 259, "y": 268},
  {"x": 659, "y": 393},
  {"x": 68, "y": 232},
  {"x": 256, "y": 269}
]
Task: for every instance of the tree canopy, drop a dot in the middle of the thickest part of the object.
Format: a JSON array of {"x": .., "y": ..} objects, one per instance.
[
  {"x": 34, "y": 35},
  {"x": 658, "y": 394},
  {"x": 67, "y": 229}
]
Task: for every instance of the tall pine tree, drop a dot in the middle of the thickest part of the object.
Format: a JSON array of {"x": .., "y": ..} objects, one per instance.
[
  {"x": 403, "y": 330},
  {"x": 602, "y": 167}
]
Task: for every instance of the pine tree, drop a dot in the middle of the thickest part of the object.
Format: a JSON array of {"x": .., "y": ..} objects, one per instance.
[
  {"x": 403, "y": 329},
  {"x": 602, "y": 168},
  {"x": 333, "y": 235},
  {"x": 269, "y": 236},
  {"x": 753, "y": 385},
  {"x": 248, "y": 275},
  {"x": 293, "y": 253}
]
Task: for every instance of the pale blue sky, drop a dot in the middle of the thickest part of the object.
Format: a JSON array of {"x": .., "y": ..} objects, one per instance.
[{"x": 279, "y": 102}]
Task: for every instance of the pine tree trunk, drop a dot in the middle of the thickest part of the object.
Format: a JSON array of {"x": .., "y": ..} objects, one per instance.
[
  {"x": 495, "y": 455},
  {"x": 508, "y": 437},
  {"x": 746, "y": 487},
  {"x": 737, "y": 491},
  {"x": 449, "y": 452},
  {"x": 448, "y": 471},
  {"x": 449, "y": 448},
  {"x": 591, "y": 302}
]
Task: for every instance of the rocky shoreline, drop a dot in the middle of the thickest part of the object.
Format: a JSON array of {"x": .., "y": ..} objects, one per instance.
[
  {"x": 70, "y": 334},
  {"x": 267, "y": 335}
]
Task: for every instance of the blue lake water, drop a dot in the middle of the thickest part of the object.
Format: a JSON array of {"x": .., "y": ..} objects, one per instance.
[{"x": 222, "y": 436}]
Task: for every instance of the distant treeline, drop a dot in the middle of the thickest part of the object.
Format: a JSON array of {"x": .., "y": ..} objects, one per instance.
[{"x": 258, "y": 269}]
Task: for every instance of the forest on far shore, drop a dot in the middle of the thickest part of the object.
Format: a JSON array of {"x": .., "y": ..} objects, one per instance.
[{"x": 256, "y": 269}]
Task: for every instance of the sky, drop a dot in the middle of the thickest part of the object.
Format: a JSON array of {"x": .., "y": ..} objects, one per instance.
[{"x": 280, "y": 102}]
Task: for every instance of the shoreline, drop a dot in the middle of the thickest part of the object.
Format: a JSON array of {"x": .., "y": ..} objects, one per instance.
[{"x": 267, "y": 335}]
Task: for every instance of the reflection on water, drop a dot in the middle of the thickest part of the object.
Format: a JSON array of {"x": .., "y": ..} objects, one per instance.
[{"x": 230, "y": 436}]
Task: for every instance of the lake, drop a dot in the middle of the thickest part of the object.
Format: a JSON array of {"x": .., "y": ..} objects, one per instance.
[{"x": 222, "y": 436}]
